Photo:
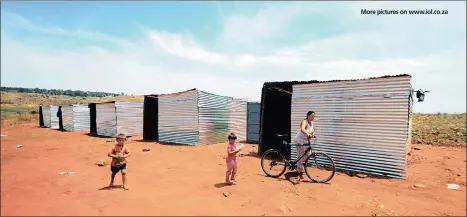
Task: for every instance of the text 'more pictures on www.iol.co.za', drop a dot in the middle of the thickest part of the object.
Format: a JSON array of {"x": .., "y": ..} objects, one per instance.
[{"x": 403, "y": 12}]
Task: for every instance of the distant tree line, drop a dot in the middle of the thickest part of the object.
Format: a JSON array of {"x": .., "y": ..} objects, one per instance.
[{"x": 59, "y": 92}]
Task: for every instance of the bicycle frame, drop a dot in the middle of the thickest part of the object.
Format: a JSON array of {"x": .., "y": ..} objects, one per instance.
[{"x": 293, "y": 163}]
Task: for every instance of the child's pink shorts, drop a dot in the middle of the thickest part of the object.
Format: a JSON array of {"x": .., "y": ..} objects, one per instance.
[{"x": 231, "y": 167}]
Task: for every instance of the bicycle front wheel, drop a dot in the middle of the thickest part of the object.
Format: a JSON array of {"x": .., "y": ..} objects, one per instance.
[
  {"x": 320, "y": 167},
  {"x": 273, "y": 163}
]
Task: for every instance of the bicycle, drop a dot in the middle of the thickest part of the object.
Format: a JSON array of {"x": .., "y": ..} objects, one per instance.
[{"x": 315, "y": 157}]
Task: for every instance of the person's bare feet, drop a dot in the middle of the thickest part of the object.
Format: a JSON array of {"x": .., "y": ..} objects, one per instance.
[
  {"x": 229, "y": 183},
  {"x": 125, "y": 187},
  {"x": 111, "y": 185}
]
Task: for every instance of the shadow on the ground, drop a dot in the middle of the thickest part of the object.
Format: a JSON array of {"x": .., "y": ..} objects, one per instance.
[
  {"x": 292, "y": 178},
  {"x": 221, "y": 185},
  {"x": 111, "y": 187},
  {"x": 98, "y": 136},
  {"x": 288, "y": 176},
  {"x": 145, "y": 141},
  {"x": 175, "y": 144},
  {"x": 362, "y": 175},
  {"x": 254, "y": 155}
]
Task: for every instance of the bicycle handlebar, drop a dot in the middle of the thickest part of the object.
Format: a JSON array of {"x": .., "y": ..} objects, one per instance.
[
  {"x": 283, "y": 135},
  {"x": 309, "y": 142}
]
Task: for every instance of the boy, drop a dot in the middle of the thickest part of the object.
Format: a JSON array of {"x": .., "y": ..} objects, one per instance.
[
  {"x": 231, "y": 159},
  {"x": 119, "y": 153}
]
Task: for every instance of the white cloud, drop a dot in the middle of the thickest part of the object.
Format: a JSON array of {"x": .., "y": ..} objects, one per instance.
[
  {"x": 184, "y": 46},
  {"x": 267, "y": 23},
  {"x": 18, "y": 21},
  {"x": 166, "y": 62}
]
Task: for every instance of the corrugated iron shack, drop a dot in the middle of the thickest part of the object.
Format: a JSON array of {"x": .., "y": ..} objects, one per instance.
[
  {"x": 362, "y": 124},
  {"x": 113, "y": 118},
  {"x": 254, "y": 109},
  {"x": 194, "y": 117},
  {"x": 49, "y": 116},
  {"x": 75, "y": 117}
]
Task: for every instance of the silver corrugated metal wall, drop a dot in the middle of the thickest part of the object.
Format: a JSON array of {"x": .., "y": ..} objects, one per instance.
[
  {"x": 178, "y": 118},
  {"x": 67, "y": 118},
  {"x": 237, "y": 122},
  {"x": 81, "y": 117},
  {"x": 129, "y": 118},
  {"x": 46, "y": 116},
  {"x": 106, "y": 120},
  {"x": 361, "y": 124},
  {"x": 197, "y": 117},
  {"x": 253, "y": 121},
  {"x": 54, "y": 120},
  {"x": 213, "y": 118}
]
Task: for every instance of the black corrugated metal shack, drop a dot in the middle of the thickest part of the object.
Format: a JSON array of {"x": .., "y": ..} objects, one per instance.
[
  {"x": 151, "y": 118},
  {"x": 41, "y": 117},
  {"x": 276, "y": 101},
  {"x": 92, "y": 115},
  {"x": 60, "y": 118}
]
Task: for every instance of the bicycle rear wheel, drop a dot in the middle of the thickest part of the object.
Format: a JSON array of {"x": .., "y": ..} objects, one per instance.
[
  {"x": 320, "y": 167},
  {"x": 273, "y": 163}
]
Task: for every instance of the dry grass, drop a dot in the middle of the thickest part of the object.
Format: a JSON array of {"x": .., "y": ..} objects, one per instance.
[
  {"x": 439, "y": 129},
  {"x": 24, "y": 107},
  {"x": 434, "y": 129}
]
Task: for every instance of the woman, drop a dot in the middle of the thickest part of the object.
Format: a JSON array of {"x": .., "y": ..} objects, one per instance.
[{"x": 307, "y": 129}]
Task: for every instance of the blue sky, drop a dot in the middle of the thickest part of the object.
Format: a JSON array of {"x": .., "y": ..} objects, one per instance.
[{"x": 231, "y": 48}]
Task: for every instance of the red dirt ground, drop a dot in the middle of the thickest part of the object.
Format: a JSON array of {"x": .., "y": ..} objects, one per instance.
[{"x": 180, "y": 180}]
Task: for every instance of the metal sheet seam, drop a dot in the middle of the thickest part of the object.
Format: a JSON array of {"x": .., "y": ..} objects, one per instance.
[
  {"x": 350, "y": 96},
  {"x": 197, "y": 103},
  {"x": 116, "y": 118},
  {"x": 247, "y": 118}
]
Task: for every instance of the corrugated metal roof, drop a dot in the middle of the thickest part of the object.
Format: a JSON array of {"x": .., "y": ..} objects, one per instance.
[
  {"x": 170, "y": 94},
  {"x": 97, "y": 103},
  {"x": 316, "y": 81}
]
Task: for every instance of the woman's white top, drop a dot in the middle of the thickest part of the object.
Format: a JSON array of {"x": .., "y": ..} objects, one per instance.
[{"x": 301, "y": 138}]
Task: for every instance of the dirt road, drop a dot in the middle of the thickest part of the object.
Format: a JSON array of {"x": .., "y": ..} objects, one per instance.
[{"x": 180, "y": 180}]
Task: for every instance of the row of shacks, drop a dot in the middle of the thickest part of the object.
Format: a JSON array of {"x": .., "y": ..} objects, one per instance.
[
  {"x": 364, "y": 125},
  {"x": 191, "y": 117}
]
